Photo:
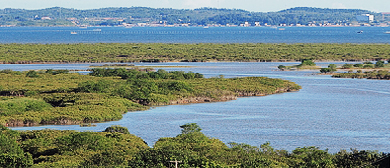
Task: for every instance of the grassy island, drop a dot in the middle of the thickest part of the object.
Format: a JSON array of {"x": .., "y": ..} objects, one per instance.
[
  {"x": 60, "y": 97},
  {"x": 305, "y": 64},
  {"x": 381, "y": 74},
  {"x": 158, "y": 52},
  {"x": 116, "y": 147},
  {"x": 365, "y": 66},
  {"x": 366, "y": 70}
]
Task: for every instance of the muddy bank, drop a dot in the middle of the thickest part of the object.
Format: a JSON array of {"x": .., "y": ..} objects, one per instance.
[{"x": 167, "y": 61}]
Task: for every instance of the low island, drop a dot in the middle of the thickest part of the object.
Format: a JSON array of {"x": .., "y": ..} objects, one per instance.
[
  {"x": 59, "y": 97},
  {"x": 366, "y": 70}
]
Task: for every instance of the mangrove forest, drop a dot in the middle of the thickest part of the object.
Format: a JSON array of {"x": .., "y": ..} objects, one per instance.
[
  {"x": 116, "y": 147},
  {"x": 59, "y": 97},
  {"x": 200, "y": 52}
]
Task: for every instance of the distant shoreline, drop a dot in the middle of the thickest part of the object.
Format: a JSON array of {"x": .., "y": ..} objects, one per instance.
[
  {"x": 202, "y": 26},
  {"x": 209, "y": 17}
]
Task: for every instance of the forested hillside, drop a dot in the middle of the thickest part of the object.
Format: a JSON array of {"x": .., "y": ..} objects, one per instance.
[{"x": 117, "y": 16}]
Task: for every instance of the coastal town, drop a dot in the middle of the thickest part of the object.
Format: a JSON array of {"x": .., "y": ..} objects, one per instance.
[
  {"x": 204, "y": 17},
  {"x": 366, "y": 20}
]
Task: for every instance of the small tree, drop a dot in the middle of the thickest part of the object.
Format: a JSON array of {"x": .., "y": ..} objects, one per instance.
[
  {"x": 282, "y": 67},
  {"x": 379, "y": 64},
  {"x": 367, "y": 62},
  {"x": 117, "y": 128},
  {"x": 324, "y": 70},
  {"x": 332, "y": 68},
  {"x": 312, "y": 157},
  {"x": 347, "y": 66},
  {"x": 32, "y": 74},
  {"x": 190, "y": 128},
  {"x": 307, "y": 62},
  {"x": 368, "y": 66}
]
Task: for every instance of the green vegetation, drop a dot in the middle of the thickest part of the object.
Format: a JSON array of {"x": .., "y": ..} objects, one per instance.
[
  {"x": 381, "y": 74},
  {"x": 11, "y": 153},
  {"x": 348, "y": 66},
  {"x": 156, "y": 52},
  {"x": 379, "y": 65},
  {"x": 117, "y": 128},
  {"x": 52, "y": 148},
  {"x": 368, "y": 70},
  {"x": 331, "y": 68},
  {"x": 151, "y": 68},
  {"x": 305, "y": 64},
  {"x": 59, "y": 97}
]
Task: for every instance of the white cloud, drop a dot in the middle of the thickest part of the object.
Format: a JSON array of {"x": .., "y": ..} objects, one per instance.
[
  {"x": 202, "y": 3},
  {"x": 338, "y": 6}
]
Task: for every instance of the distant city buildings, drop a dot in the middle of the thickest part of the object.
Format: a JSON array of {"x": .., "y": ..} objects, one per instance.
[
  {"x": 386, "y": 17},
  {"x": 246, "y": 24},
  {"x": 36, "y": 17},
  {"x": 45, "y": 18},
  {"x": 368, "y": 18}
]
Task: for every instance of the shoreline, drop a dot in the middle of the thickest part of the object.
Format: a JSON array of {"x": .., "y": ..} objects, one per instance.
[
  {"x": 183, "y": 101},
  {"x": 177, "y": 61},
  {"x": 199, "y": 26}
]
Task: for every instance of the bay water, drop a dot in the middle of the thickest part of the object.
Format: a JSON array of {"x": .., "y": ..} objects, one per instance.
[
  {"x": 329, "y": 113},
  {"x": 194, "y": 35}
]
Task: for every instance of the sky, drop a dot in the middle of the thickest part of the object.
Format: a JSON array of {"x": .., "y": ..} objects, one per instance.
[{"x": 249, "y": 5}]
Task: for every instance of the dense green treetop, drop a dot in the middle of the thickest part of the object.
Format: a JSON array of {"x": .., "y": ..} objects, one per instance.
[{"x": 54, "y": 148}]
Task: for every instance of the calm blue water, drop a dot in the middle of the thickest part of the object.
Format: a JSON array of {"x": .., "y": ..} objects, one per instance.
[
  {"x": 328, "y": 112},
  {"x": 194, "y": 35}
]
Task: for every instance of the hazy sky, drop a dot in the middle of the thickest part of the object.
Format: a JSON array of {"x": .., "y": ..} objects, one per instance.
[{"x": 250, "y": 5}]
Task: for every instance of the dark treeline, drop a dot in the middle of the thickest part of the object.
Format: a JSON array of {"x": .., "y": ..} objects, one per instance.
[
  {"x": 116, "y": 147},
  {"x": 136, "y": 74},
  {"x": 202, "y": 52},
  {"x": 203, "y": 16}
]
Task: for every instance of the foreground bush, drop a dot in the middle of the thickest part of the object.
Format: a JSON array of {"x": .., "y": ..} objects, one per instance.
[{"x": 52, "y": 148}]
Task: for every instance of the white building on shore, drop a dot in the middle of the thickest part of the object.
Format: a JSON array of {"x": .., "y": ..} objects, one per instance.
[{"x": 365, "y": 18}]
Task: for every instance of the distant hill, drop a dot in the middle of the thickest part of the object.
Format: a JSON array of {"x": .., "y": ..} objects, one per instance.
[{"x": 116, "y": 16}]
